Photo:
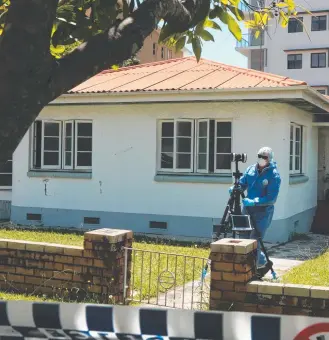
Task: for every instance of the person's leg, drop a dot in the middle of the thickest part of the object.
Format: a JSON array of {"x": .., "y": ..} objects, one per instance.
[{"x": 263, "y": 221}]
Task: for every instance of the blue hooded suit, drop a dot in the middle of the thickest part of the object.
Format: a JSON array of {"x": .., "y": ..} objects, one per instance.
[{"x": 262, "y": 189}]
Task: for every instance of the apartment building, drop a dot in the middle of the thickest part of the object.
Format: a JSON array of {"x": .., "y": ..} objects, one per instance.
[
  {"x": 153, "y": 51},
  {"x": 299, "y": 51}
]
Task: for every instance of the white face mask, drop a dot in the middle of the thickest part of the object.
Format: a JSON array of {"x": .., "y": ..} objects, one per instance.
[{"x": 262, "y": 162}]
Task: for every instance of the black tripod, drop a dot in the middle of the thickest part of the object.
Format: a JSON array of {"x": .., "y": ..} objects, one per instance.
[{"x": 233, "y": 219}]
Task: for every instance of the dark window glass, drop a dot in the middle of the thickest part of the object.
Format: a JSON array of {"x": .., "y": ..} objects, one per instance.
[
  {"x": 7, "y": 167},
  {"x": 68, "y": 144},
  {"x": 203, "y": 129},
  {"x": 223, "y": 162},
  {"x": 203, "y": 144},
  {"x": 184, "y": 129},
  {"x": 6, "y": 180},
  {"x": 167, "y": 160},
  {"x": 319, "y": 23},
  {"x": 50, "y": 158},
  {"x": 183, "y": 144},
  {"x": 84, "y": 129},
  {"x": 295, "y": 25},
  {"x": 84, "y": 144},
  {"x": 318, "y": 60},
  {"x": 84, "y": 159},
  {"x": 224, "y": 129},
  {"x": 202, "y": 162},
  {"x": 167, "y": 145},
  {"x": 168, "y": 129},
  {"x": 51, "y": 129},
  {"x": 51, "y": 144},
  {"x": 322, "y": 91},
  {"x": 68, "y": 158},
  {"x": 294, "y": 61},
  {"x": 223, "y": 145},
  {"x": 183, "y": 161}
]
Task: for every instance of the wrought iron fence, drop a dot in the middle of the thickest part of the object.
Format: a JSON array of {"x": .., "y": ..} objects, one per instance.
[{"x": 166, "y": 279}]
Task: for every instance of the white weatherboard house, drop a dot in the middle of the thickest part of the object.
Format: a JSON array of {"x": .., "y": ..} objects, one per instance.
[{"x": 148, "y": 148}]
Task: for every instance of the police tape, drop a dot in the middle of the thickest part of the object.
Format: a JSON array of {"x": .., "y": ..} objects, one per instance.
[{"x": 41, "y": 320}]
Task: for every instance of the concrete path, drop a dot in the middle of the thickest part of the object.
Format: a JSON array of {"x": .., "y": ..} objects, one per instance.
[{"x": 284, "y": 257}]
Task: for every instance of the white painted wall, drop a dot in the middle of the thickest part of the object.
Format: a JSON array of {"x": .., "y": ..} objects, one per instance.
[
  {"x": 124, "y": 160},
  {"x": 278, "y": 39}
]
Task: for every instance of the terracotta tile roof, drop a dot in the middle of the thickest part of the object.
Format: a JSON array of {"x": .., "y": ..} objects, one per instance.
[{"x": 181, "y": 74}]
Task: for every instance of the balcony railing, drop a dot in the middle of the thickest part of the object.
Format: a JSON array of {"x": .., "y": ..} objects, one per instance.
[{"x": 249, "y": 40}]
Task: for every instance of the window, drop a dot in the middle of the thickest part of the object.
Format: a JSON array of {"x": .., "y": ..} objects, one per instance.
[
  {"x": 62, "y": 145},
  {"x": 295, "y": 25},
  {"x": 295, "y": 61},
  {"x": 162, "y": 52},
  {"x": 318, "y": 60},
  {"x": 6, "y": 175},
  {"x": 202, "y": 146},
  {"x": 154, "y": 48},
  {"x": 296, "y": 149},
  {"x": 169, "y": 54},
  {"x": 322, "y": 91},
  {"x": 319, "y": 23}
]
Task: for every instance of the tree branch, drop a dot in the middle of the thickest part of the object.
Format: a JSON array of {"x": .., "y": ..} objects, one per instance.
[{"x": 123, "y": 40}]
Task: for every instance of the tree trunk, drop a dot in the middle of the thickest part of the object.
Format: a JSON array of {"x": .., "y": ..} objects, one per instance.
[{"x": 30, "y": 78}]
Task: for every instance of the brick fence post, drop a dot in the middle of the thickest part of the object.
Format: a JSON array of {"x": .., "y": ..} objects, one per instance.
[
  {"x": 233, "y": 265},
  {"x": 106, "y": 246}
]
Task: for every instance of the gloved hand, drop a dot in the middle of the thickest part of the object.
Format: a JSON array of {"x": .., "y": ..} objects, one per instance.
[
  {"x": 230, "y": 190},
  {"x": 247, "y": 202}
]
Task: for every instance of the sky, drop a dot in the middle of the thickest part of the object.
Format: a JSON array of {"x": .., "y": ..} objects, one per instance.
[{"x": 223, "y": 49}]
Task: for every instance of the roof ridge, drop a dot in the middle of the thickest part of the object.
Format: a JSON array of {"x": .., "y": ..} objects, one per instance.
[{"x": 153, "y": 63}]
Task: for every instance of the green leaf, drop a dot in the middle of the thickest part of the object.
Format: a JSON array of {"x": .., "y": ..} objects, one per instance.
[
  {"x": 206, "y": 36},
  {"x": 165, "y": 33},
  {"x": 234, "y": 28},
  {"x": 199, "y": 27},
  {"x": 211, "y": 24},
  {"x": 213, "y": 12},
  {"x": 223, "y": 15},
  {"x": 196, "y": 45},
  {"x": 237, "y": 12},
  {"x": 180, "y": 43}
]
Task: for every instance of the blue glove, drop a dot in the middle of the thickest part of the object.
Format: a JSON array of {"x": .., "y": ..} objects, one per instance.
[{"x": 247, "y": 202}]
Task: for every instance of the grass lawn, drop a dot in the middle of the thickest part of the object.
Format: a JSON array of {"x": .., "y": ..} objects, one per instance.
[
  {"x": 312, "y": 272},
  {"x": 147, "y": 266}
]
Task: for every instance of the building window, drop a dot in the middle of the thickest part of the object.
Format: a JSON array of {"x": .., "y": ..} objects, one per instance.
[
  {"x": 169, "y": 54},
  {"x": 319, "y": 23},
  {"x": 296, "y": 149},
  {"x": 295, "y": 25},
  {"x": 318, "y": 60},
  {"x": 154, "y": 48},
  {"x": 295, "y": 61},
  {"x": 6, "y": 176},
  {"x": 162, "y": 52},
  {"x": 322, "y": 91},
  {"x": 62, "y": 145},
  {"x": 200, "y": 146}
]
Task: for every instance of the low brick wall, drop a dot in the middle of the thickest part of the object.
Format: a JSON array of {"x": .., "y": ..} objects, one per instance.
[
  {"x": 95, "y": 270},
  {"x": 232, "y": 268}
]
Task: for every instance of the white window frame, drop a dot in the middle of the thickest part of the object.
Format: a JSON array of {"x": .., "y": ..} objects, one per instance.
[
  {"x": 58, "y": 166},
  {"x": 301, "y": 149},
  {"x": 159, "y": 139},
  {"x": 221, "y": 171},
  {"x": 68, "y": 167},
  {"x": 202, "y": 171},
  {"x": 76, "y": 122}
]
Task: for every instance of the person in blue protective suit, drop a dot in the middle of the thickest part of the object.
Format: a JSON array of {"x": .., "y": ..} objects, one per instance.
[{"x": 262, "y": 182}]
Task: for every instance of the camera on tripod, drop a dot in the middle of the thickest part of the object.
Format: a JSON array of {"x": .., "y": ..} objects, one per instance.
[
  {"x": 239, "y": 157},
  {"x": 233, "y": 220}
]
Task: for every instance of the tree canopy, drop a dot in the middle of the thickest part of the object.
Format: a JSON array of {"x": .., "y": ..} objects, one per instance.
[{"x": 47, "y": 47}]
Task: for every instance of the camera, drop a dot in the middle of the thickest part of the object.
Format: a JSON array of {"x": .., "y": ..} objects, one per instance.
[{"x": 239, "y": 157}]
